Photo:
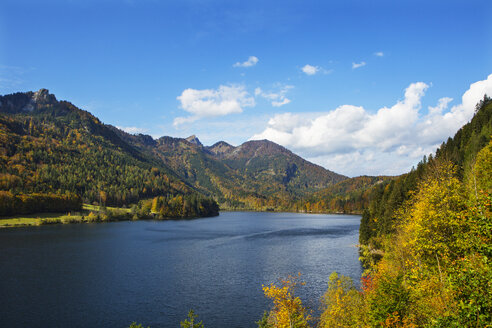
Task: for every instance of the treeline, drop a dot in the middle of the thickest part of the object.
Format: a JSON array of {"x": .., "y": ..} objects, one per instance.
[
  {"x": 435, "y": 269},
  {"x": 57, "y": 151},
  {"x": 60, "y": 148},
  {"x": 11, "y": 204},
  {"x": 180, "y": 206},
  {"x": 380, "y": 217},
  {"x": 427, "y": 242},
  {"x": 350, "y": 196},
  {"x": 427, "y": 247}
]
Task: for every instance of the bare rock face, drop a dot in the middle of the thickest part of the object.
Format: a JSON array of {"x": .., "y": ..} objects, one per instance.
[
  {"x": 43, "y": 97},
  {"x": 39, "y": 98},
  {"x": 26, "y": 101},
  {"x": 194, "y": 140}
]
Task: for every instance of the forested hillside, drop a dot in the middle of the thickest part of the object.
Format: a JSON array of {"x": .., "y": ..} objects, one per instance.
[
  {"x": 49, "y": 146},
  {"x": 461, "y": 150},
  {"x": 426, "y": 241},
  {"x": 257, "y": 175},
  {"x": 348, "y": 196}
]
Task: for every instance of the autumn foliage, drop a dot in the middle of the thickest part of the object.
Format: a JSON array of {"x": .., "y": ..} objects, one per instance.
[
  {"x": 287, "y": 311},
  {"x": 426, "y": 243}
]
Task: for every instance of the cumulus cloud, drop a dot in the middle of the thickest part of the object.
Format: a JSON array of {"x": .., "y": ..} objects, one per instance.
[
  {"x": 354, "y": 141},
  {"x": 440, "y": 122},
  {"x": 252, "y": 61},
  {"x": 277, "y": 98},
  {"x": 132, "y": 129},
  {"x": 310, "y": 70},
  {"x": 213, "y": 102},
  {"x": 357, "y": 65},
  {"x": 379, "y": 54}
]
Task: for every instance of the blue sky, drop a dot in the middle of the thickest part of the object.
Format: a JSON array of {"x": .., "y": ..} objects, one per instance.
[{"x": 235, "y": 70}]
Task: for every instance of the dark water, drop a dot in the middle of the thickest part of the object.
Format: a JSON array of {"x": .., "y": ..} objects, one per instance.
[{"x": 108, "y": 275}]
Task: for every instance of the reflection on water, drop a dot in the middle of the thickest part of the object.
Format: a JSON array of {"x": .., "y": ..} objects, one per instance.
[{"x": 109, "y": 275}]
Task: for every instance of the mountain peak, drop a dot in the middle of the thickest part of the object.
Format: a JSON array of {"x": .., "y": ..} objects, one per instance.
[
  {"x": 194, "y": 140},
  {"x": 221, "y": 148},
  {"x": 22, "y": 102},
  {"x": 43, "y": 96}
]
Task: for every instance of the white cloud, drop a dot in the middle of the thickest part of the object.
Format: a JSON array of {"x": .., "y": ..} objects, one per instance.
[
  {"x": 277, "y": 98},
  {"x": 132, "y": 129},
  {"x": 442, "y": 105},
  {"x": 280, "y": 103},
  {"x": 310, "y": 70},
  {"x": 357, "y": 65},
  {"x": 438, "y": 125},
  {"x": 252, "y": 61},
  {"x": 379, "y": 54},
  {"x": 213, "y": 102},
  {"x": 354, "y": 141},
  {"x": 183, "y": 120}
]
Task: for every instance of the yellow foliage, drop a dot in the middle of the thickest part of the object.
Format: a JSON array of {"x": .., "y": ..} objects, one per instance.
[
  {"x": 288, "y": 311},
  {"x": 342, "y": 304}
]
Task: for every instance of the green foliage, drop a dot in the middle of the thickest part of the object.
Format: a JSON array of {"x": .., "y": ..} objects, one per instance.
[
  {"x": 57, "y": 151},
  {"x": 427, "y": 242},
  {"x": 348, "y": 196},
  {"x": 11, "y": 204},
  {"x": 187, "y": 206},
  {"x": 263, "y": 323},
  {"x": 341, "y": 304},
  {"x": 257, "y": 175},
  {"x": 190, "y": 322},
  {"x": 471, "y": 279},
  {"x": 385, "y": 199},
  {"x": 59, "y": 148},
  {"x": 435, "y": 270},
  {"x": 56, "y": 147}
]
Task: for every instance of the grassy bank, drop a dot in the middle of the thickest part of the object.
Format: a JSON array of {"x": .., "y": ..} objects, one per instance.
[{"x": 89, "y": 213}]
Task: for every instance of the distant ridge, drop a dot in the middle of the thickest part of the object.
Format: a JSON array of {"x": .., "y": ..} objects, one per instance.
[{"x": 255, "y": 175}]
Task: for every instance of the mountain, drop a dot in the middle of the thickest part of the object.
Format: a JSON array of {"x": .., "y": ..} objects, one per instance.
[
  {"x": 52, "y": 146},
  {"x": 49, "y": 146},
  {"x": 194, "y": 140},
  {"x": 219, "y": 149},
  {"x": 254, "y": 175}
]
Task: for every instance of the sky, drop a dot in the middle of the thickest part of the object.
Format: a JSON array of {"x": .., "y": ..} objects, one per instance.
[{"x": 359, "y": 87}]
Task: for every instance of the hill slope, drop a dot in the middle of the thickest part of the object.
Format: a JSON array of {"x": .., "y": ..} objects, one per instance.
[
  {"x": 461, "y": 150},
  {"x": 51, "y": 146},
  {"x": 48, "y": 145},
  {"x": 254, "y": 175}
]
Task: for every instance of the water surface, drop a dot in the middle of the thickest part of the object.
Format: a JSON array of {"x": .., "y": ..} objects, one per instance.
[{"x": 153, "y": 272}]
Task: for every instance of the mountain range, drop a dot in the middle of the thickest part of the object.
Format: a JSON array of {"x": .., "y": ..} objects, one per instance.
[{"x": 48, "y": 145}]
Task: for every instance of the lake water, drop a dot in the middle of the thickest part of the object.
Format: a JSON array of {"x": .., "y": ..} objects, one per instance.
[{"x": 153, "y": 272}]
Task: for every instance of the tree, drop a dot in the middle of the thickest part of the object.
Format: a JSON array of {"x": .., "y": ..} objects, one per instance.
[
  {"x": 190, "y": 322},
  {"x": 342, "y": 304},
  {"x": 135, "y": 325},
  {"x": 288, "y": 311}
]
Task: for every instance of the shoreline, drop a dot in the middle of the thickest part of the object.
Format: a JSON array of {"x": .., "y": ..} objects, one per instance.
[
  {"x": 88, "y": 214},
  {"x": 93, "y": 214}
]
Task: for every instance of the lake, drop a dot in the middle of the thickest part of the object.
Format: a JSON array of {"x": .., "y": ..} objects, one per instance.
[{"x": 153, "y": 272}]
